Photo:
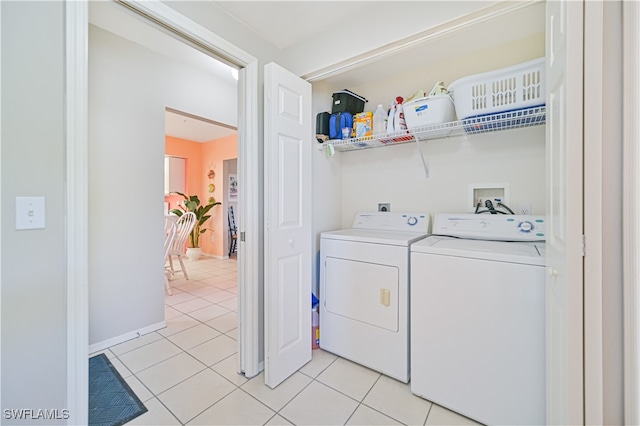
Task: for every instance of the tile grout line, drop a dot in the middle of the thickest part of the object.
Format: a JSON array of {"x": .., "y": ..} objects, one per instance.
[
  {"x": 428, "y": 412},
  {"x": 206, "y": 367},
  {"x": 315, "y": 379},
  {"x": 377, "y": 410},
  {"x": 363, "y": 398},
  {"x": 157, "y": 395},
  {"x": 223, "y": 397},
  {"x": 135, "y": 374}
]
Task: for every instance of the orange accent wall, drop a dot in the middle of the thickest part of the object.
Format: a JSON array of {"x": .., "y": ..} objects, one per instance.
[
  {"x": 200, "y": 158},
  {"x": 192, "y": 152},
  {"x": 213, "y": 155}
]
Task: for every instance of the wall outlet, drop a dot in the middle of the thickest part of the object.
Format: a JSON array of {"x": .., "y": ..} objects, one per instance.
[
  {"x": 384, "y": 207},
  {"x": 524, "y": 208}
]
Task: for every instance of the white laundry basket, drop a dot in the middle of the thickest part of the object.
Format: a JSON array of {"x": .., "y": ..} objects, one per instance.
[{"x": 503, "y": 90}]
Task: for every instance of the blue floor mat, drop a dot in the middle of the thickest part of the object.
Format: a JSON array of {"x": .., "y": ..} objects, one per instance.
[{"x": 111, "y": 400}]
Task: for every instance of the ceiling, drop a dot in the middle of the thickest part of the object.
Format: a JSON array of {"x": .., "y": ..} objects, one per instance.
[
  {"x": 193, "y": 128},
  {"x": 283, "y": 23}
]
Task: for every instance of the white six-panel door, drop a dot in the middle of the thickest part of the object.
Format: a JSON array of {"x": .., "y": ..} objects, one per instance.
[
  {"x": 288, "y": 244},
  {"x": 564, "y": 283}
]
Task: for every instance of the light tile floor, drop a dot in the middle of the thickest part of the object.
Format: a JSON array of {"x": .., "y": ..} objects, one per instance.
[{"x": 186, "y": 373}]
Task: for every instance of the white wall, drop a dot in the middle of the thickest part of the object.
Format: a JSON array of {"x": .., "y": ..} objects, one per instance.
[
  {"x": 34, "y": 324},
  {"x": 129, "y": 88},
  {"x": 327, "y": 191},
  {"x": 395, "y": 174}
]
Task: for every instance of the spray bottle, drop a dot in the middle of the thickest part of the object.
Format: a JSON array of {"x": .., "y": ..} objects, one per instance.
[{"x": 399, "y": 123}]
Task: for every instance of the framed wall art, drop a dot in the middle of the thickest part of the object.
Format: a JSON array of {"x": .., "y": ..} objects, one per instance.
[{"x": 233, "y": 187}]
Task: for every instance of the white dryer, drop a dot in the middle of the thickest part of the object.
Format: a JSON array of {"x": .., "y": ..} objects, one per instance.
[
  {"x": 478, "y": 317},
  {"x": 364, "y": 290}
]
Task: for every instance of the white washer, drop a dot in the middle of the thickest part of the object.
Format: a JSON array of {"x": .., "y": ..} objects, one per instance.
[
  {"x": 478, "y": 317},
  {"x": 364, "y": 290}
]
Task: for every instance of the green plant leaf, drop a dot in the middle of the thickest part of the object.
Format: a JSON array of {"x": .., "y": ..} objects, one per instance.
[{"x": 192, "y": 204}]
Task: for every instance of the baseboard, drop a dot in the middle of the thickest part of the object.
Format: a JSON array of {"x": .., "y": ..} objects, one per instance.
[
  {"x": 100, "y": 346},
  {"x": 215, "y": 256}
]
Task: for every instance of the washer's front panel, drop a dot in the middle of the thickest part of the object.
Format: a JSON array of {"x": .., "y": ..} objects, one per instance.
[{"x": 477, "y": 337}]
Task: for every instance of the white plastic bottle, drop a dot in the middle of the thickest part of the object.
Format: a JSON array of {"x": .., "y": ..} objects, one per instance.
[
  {"x": 380, "y": 121},
  {"x": 391, "y": 117}
]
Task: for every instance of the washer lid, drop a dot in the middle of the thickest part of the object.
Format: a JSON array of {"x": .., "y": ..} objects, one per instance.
[
  {"x": 503, "y": 251},
  {"x": 395, "y": 238}
]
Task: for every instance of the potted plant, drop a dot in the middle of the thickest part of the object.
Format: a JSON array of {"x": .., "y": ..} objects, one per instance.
[{"x": 192, "y": 204}]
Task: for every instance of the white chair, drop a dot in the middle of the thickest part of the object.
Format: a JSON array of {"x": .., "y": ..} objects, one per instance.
[
  {"x": 169, "y": 235},
  {"x": 185, "y": 225}
]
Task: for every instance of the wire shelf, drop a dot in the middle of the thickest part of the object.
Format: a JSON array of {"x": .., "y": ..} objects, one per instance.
[{"x": 488, "y": 123}]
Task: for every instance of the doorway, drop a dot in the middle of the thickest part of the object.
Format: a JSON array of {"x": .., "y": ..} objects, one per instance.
[{"x": 249, "y": 168}]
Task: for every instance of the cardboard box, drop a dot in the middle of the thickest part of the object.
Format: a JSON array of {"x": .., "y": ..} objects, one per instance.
[{"x": 363, "y": 124}]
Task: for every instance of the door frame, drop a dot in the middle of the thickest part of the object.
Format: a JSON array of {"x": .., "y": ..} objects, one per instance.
[
  {"x": 76, "y": 39},
  {"x": 594, "y": 96},
  {"x": 631, "y": 210}
]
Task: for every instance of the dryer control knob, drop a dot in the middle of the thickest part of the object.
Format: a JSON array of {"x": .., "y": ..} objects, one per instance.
[{"x": 412, "y": 221}]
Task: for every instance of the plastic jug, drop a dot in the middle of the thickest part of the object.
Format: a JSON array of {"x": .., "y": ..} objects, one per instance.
[
  {"x": 380, "y": 121},
  {"x": 315, "y": 329}
]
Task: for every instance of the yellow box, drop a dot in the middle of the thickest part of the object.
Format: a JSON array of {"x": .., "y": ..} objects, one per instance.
[{"x": 363, "y": 124}]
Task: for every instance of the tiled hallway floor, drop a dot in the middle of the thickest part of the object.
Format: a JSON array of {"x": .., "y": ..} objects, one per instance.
[{"x": 186, "y": 372}]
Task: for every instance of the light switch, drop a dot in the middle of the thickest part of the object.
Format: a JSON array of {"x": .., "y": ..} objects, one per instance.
[{"x": 30, "y": 213}]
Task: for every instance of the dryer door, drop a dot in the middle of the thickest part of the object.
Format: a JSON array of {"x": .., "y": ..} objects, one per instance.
[{"x": 362, "y": 291}]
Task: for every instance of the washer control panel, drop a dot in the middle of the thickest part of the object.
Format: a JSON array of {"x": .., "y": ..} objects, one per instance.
[
  {"x": 392, "y": 221},
  {"x": 497, "y": 227}
]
